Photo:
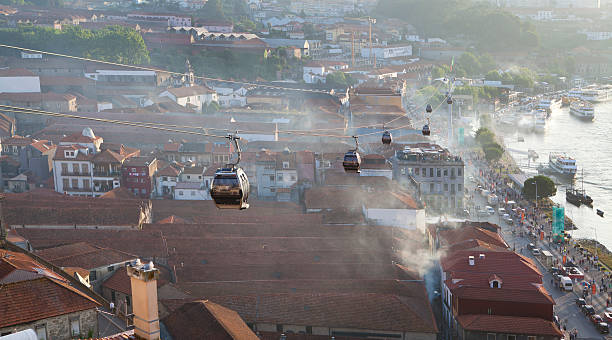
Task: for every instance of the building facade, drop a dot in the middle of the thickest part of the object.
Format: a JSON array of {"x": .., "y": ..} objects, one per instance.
[{"x": 137, "y": 175}]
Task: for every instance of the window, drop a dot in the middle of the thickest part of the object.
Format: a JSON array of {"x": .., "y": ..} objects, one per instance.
[
  {"x": 292, "y": 177},
  {"x": 111, "y": 268},
  {"x": 285, "y": 165},
  {"x": 452, "y": 187},
  {"x": 416, "y": 171},
  {"x": 439, "y": 172},
  {"x": 64, "y": 168},
  {"x": 75, "y": 167},
  {"x": 85, "y": 168},
  {"x": 41, "y": 332},
  {"x": 511, "y": 337},
  {"x": 445, "y": 172},
  {"x": 199, "y": 177},
  {"x": 272, "y": 178},
  {"x": 180, "y": 192},
  {"x": 65, "y": 183},
  {"x": 164, "y": 179},
  {"x": 531, "y": 337},
  {"x": 113, "y": 296},
  {"x": 279, "y": 177},
  {"x": 127, "y": 300},
  {"x": 308, "y": 329},
  {"x": 459, "y": 187},
  {"x": 445, "y": 187},
  {"x": 92, "y": 275},
  {"x": 431, "y": 187},
  {"x": 459, "y": 172},
  {"x": 279, "y": 328},
  {"x": 86, "y": 183},
  {"x": 188, "y": 177},
  {"x": 490, "y": 336},
  {"x": 75, "y": 327},
  {"x": 452, "y": 172},
  {"x": 75, "y": 183},
  {"x": 431, "y": 172}
]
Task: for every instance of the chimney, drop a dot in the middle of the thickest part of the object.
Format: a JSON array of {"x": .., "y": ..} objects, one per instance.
[
  {"x": 144, "y": 299},
  {"x": 481, "y": 257},
  {"x": 470, "y": 260}
]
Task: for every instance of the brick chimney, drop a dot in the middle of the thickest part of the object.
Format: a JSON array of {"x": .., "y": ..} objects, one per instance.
[{"x": 144, "y": 299}]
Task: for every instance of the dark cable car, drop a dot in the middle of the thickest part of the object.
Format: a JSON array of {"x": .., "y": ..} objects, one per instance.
[
  {"x": 352, "y": 159},
  {"x": 428, "y": 109},
  {"x": 449, "y": 100},
  {"x": 230, "y": 186},
  {"x": 426, "y": 131},
  {"x": 386, "y": 137}
]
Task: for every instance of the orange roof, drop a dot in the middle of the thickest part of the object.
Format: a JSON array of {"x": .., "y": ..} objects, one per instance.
[
  {"x": 119, "y": 193},
  {"x": 84, "y": 255},
  {"x": 173, "y": 219},
  {"x": 508, "y": 325},
  {"x": 207, "y": 320},
  {"x": 32, "y": 292}
]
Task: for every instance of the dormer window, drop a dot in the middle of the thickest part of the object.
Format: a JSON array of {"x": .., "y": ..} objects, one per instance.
[
  {"x": 495, "y": 284},
  {"x": 495, "y": 281},
  {"x": 285, "y": 165}
]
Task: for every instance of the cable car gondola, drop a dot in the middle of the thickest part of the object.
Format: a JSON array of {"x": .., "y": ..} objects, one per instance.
[
  {"x": 449, "y": 100},
  {"x": 428, "y": 109},
  {"x": 426, "y": 131},
  {"x": 230, "y": 186},
  {"x": 352, "y": 159},
  {"x": 386, "y": 137}
]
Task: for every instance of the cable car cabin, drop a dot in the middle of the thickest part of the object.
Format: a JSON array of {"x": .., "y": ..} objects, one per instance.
[
  {"x": 428, "y": 108},
  {"x": 426, "y": 131},
  {"x": 230, "y": 189},
  {"x": 386, "y": 137},
  {"x": 352, "y": 161}
]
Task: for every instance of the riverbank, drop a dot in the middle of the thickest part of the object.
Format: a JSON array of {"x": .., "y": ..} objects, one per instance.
[{"x": 593, "y": 247}]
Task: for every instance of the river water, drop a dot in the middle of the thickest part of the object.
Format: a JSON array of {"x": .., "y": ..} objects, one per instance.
[{"x": 590, "y": 143}]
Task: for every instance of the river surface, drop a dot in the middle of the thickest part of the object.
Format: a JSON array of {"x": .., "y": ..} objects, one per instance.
[{"x": 590, "y": 143}]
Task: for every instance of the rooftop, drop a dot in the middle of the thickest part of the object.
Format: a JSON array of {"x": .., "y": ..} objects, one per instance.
[
  {"x": 507, "y": 324},
  {"x": 84, "y": 255}
]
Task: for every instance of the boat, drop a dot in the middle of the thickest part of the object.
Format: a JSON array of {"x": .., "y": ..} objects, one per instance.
[
  {"x": 540, "y": 122},
  {"x": 567, "y": 100},
  {"x": 549, "y": 104},
  {"x": 562, "y": 165},
  {"x": 597, "y": 94},
  {"x": 582, "y": 109},
  {"x": 584, "y": 198},
  {"x": 600, "y": 213},
  {"x": 573, "y": 196}
]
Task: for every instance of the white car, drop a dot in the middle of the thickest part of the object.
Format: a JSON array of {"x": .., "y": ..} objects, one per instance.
[
  {"x": 490, "y": 210},
  {"x": 535, "y": 251}
]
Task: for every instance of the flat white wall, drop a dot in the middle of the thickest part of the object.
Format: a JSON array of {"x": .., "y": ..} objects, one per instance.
[
  {"x": 20, "y": 84},
  {"x": 403, "y": 218}
]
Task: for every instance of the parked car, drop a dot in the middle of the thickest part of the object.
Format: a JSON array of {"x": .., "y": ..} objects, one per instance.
[
  {"x": 556, "y": 320},
  {"x": 530, "y": 246},
  {"x": 580, "y": 302},
  {"x": 535, "y": 251},
  {"x": 607, "y": 316},
  {"x": 490, "y": 210},
  {"x": 555, "y": 270},
  {"x": 588, "y": 310},
  {"x": 595, "y": 318},
  {"x": 603, "y": 328}
]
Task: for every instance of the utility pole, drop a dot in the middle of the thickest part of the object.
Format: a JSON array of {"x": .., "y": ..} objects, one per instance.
[
  {"x": 353, "y": 50},
  {"x": 370, "y": 21}
]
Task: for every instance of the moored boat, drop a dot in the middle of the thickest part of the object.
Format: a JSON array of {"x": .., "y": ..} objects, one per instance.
[{"x": 582, "y": 109}]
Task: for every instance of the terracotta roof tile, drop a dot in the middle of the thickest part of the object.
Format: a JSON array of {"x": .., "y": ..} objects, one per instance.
[
  {"x": 120, "y": 193},
  {"x": 508, "y": 324},
  {"x": 84, "y": 255},
  {"x": 42, "y": 294},
  {"x": 207, "y": 320},
  {"x": 173, "y": 219}
]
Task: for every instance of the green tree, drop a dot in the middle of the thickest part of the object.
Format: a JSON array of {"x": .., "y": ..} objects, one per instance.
[
  {"x": 493, "y": 76},
  {"x": 493, "y": 152},
  {"x": 484, "y": 136},
  {"x": 544, "y": 185},
  {"x": 338, "y": 80},
  {"x": 439, "y": 71},
  {"x": 468, "y": 62},
  {"x": 212, "y": 10}
]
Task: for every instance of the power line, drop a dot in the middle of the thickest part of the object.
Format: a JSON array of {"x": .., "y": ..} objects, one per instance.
[{"x": 143, "y": 68}]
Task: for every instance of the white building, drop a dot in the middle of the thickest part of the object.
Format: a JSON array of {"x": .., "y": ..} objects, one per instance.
[
  {"x": 597, "y": 35},
  {"x": 166, "y": 180},
  {"x": 230, "y": 95},
  {"x": 437, "y": 175},
  {"x": 314, "y": 73},
  {"x": 191, "y": 191},
  {"x": 173, "y": 20},
  {"x": 385, "y": 52},
  {"x": 191, "y": 97},
  {"x": 19, "y": 81},
  {"x": 396, "y": 210}
]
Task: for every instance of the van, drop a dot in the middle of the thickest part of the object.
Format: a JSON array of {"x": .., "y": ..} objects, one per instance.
[
  {"x": 566, "y": 284},
  {"x": 490, "y": 210}
]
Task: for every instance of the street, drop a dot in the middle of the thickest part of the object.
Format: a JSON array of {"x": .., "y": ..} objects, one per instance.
[{"x": 566, "y": 309}]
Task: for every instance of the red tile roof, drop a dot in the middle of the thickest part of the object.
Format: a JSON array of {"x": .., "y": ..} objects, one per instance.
[
  {"x": 349, "y": 310},
  {"x": 31, "y": 292},
  {"x": 78, "y": 137},
  {"x": 508, "y": 325},
  {"x": 173, "y": 219},
  {"x": 43, "y": 146},
  {"x": 207, "y": 320},
  {"x": 17, "y": 141},
  {"x": 457, "y": 235},
  {"x": 16, "y": 72},
  {"x": 84, "y": 255},
  {"x": 107, "y": 156},
  {"x": 197, "y": 90}
]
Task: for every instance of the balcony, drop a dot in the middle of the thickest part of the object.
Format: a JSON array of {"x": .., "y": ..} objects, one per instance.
[
  {"x": 76, "y": 189},
  {"x": 107, "y": 174},
  {"x": 75, "y": 173}
]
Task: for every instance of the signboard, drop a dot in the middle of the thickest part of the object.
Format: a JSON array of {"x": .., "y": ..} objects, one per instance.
[
  {"x": 558, "y": 223},
  {"x": 460, "y": 135}
]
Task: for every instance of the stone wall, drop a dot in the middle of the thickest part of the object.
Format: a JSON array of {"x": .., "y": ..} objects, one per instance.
[{"x": 58, "y": 328}]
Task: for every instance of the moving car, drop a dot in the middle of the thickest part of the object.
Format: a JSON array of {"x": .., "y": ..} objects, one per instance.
[
  {"x": 588, "y": 310},
  {"x": 490, "y": 210},
  {"x": 595, "y": 319},
  {"x": 607, "y": 316},
  {"x": 566, "y": 284},
  {"x": 603, "y": 328},
  {"x": 580, "y": 302},
  {"x": 535, "y": 251}
]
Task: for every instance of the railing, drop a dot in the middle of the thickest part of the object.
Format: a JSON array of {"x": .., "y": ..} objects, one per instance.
[
  {"x": 75, "y": 173},
  {"x": 107, "y": 173},
  {"x": 76, "y": 189}
]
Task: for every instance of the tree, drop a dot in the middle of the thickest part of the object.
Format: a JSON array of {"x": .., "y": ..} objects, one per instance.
[
  {"x": 469, "y": 63},
  {"x": 212, "y": 10},
  {"x": 493, "y": 152},
  {"x": 338, "y": 80},
  {"x": 484, "y": 136},
  {"x": 544, "y": 185}
]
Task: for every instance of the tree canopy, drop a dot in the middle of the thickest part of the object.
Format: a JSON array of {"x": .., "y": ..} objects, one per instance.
[
  {"x": 486, "y": 138},
  {"x": 113, "y": 43},
  {"x": 339, "y": 80},
  {"x": 490, "y": 27},
  {"x": 545, "y": 187}
]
